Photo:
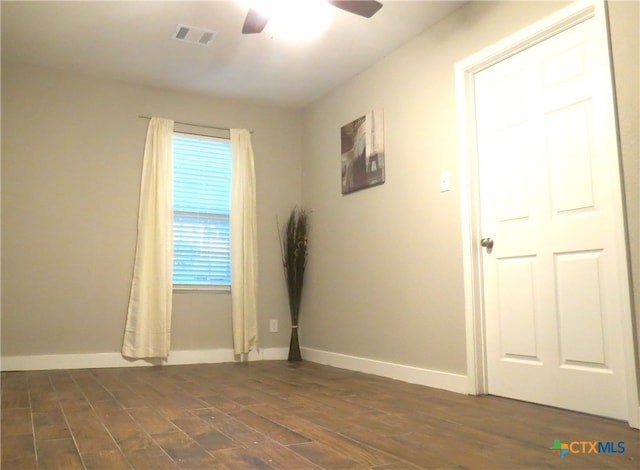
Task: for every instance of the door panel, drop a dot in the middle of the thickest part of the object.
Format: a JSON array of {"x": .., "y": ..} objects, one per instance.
[
  {"x": 512, "y": 199},
  {"x": 578, "y": 281},
  {"x": 570, "y": 158},
  {"x": 516, "y": 307}
]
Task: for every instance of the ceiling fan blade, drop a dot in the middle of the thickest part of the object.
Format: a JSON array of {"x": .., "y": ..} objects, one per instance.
[
  {"x": 254, "y": 22},
  {"x": 366, "y": 8}
]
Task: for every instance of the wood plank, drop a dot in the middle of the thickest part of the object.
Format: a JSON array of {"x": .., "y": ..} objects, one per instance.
[
  {"x": 324, "y": 456},
  {"x": 281, "y": 457},
  {"x": 17, "y": 452},
  {"x": 106, "y": 459},
  {"x": 186, "y": 452},
  {"x": 423, "y": 457},
  {"x": 151, "y": 421},
  {"x": 89, "y": 432},
  {"x": 50, "y": 425},
  {"x": 241, "y": 458},
  {"x": 59, "y": 454},
  {"x": 206, "y": 435},
  {"x": 347, "y": 447},
  {"x": 16, "y": 422},
  {"x": 275, "y": 431},
  {"x": 14, "y": 399},
  {"x": 44, "y": 400}
]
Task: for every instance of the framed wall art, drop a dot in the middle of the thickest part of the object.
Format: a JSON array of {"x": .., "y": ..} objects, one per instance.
[{"x": 363, "y": 152}]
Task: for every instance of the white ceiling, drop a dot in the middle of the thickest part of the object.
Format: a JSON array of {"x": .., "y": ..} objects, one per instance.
[{"x": 133, "y": 41}]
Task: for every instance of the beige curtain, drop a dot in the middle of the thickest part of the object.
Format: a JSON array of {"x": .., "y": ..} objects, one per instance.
[
  {"x": 148, "y": 328},
  {"x": 244, "y": 244}
]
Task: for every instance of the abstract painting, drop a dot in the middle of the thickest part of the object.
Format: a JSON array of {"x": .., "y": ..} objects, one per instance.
[{"x": 363, "y": 152}]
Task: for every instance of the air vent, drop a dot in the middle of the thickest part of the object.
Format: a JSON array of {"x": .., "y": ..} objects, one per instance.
[{"x": 194, "y": 35}]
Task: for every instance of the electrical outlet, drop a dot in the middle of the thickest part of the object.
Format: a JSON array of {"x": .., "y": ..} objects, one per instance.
[{"x": 273, "y": 326}]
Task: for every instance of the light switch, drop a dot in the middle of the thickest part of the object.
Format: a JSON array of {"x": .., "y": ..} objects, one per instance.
[{"x": 444, "y": 181}]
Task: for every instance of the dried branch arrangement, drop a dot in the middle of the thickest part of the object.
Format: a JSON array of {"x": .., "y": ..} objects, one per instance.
[{"x": 293, "y": 246}]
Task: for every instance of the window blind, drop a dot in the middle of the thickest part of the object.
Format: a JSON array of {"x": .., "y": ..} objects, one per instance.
[{"x": 201, "y": 201}]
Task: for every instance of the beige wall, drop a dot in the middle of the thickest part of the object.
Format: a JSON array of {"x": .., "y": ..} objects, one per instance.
[
  {"x": 71, "y": 164},
  {"x": 624, "y": 20},
  {"x": 385, "y": 273}
]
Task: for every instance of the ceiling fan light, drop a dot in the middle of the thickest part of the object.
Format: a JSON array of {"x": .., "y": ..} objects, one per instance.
[{"x": 298, "y": 19}]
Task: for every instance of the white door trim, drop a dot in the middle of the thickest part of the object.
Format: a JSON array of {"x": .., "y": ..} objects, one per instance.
[{"x": 470, "y": 200}]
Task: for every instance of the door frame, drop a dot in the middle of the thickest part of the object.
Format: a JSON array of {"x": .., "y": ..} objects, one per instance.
[{"x": 465, "y": 71}]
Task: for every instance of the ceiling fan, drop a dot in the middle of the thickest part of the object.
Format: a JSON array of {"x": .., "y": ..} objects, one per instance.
[{"x": 255, "y": 22}]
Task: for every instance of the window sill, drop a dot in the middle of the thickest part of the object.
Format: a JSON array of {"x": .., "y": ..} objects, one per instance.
[{"x": 185, "y": 289}]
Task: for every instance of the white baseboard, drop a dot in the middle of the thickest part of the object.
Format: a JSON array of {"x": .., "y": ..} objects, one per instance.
[
  {"x": 105, "y": 360},
  {"x": 415, "y": 375}
]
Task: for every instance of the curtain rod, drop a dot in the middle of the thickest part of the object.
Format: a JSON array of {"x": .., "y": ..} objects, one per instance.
[{"x": 196, "y": 125}]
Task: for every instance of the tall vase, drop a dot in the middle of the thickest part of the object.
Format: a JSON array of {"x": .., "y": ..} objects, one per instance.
[{"x": 294, "y": 345}]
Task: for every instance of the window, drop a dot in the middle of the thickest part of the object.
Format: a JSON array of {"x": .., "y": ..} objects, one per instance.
[{"x": 201, "y": 199}]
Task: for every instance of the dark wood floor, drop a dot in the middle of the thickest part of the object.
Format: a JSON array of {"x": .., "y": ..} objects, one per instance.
[{"x": 275, "y": 415}]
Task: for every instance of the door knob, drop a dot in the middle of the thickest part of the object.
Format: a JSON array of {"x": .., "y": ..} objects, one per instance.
[{"x": 487, "y": 243}]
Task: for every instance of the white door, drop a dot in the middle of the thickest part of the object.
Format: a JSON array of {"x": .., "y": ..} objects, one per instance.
[{"x": 548, "y": 198}]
